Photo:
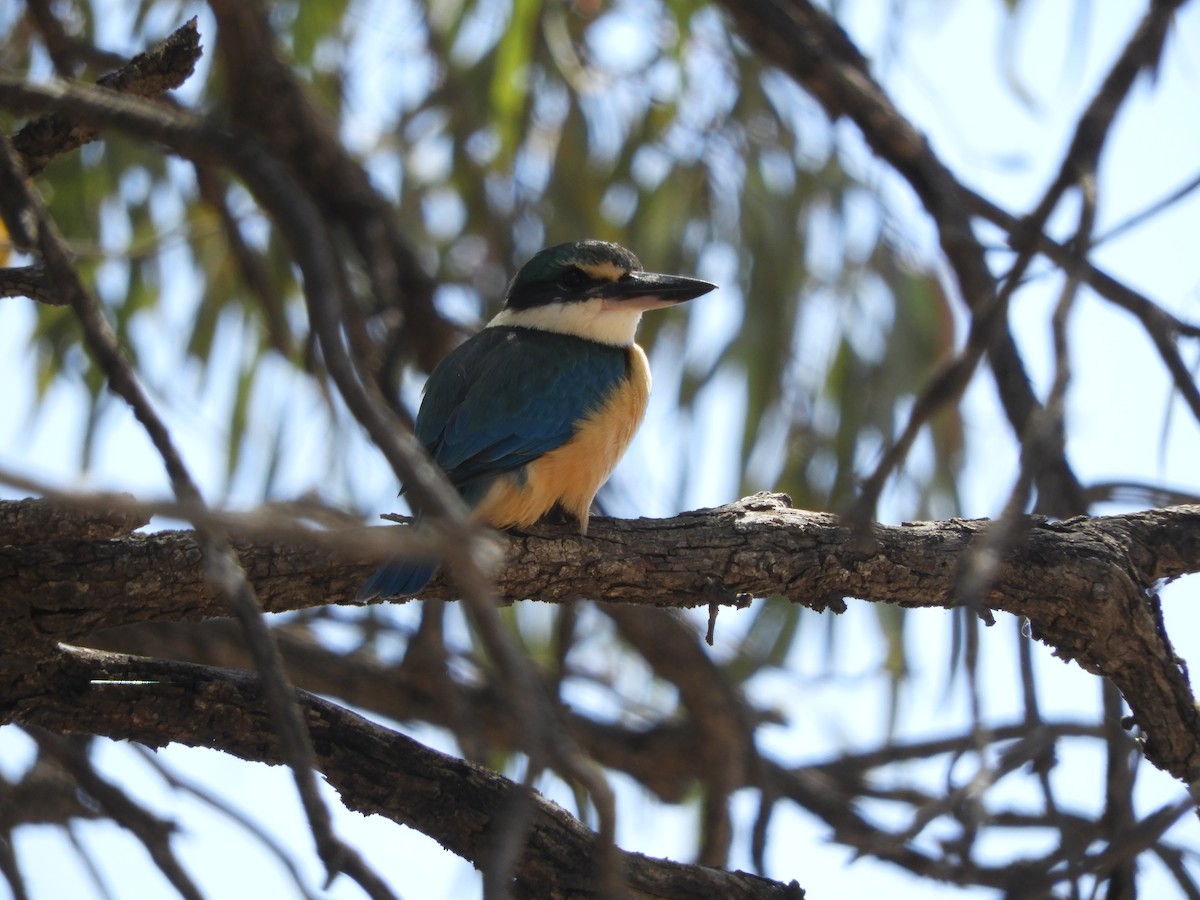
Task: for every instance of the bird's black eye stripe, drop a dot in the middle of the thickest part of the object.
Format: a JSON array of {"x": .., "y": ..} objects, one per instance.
[{"x": 572, "y": 279}]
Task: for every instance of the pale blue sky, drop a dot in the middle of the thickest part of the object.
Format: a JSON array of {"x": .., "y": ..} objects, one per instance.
[{"x": 946, "y": 75}]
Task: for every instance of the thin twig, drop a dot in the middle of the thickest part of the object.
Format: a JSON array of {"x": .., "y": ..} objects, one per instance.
[
  {"x": 1172, "y": 858},
  {"x": 29, "y": 223},
  {"x": 1120, "y": 815},
  {"x": 1154, "y": 209},
  {"x": 154, "y": 833},
  {"x": 164, "y": 66},
  {"x": 303, "y": 227},
  {"x": 89, "y": 863},
  {"x": 194, "y": 789}
]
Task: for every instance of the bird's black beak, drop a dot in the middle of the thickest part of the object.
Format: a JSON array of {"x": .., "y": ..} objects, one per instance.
[{"x": 649, "y": 290}]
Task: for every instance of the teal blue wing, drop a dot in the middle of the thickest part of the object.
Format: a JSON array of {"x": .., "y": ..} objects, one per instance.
[
  {"x": 497, "y": 402},
  {"x": 509, "y": 395}
]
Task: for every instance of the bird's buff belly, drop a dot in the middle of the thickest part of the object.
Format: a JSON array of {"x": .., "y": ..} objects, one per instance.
[{"x": 570, "y": 475}]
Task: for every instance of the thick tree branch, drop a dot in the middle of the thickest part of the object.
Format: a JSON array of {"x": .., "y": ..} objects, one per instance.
[
  {"x": 663, "y": 757},
  {"x": 28, "y": 281},
  {"x": 1086, "y": 584},
  {"x": 375, "y": 770},
  {"x": 30, "y": 521}
]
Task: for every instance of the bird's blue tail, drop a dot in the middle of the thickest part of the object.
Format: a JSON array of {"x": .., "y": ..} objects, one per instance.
[{"x": 397, "y": 578}]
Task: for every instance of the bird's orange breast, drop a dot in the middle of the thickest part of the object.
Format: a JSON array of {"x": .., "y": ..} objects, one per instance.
[{"x": 571, "y": 474}]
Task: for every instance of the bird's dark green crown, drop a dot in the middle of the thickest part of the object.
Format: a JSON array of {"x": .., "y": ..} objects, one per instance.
[
  {"x": 567, "y": 272},
  {"x": 586, "y": 270}
]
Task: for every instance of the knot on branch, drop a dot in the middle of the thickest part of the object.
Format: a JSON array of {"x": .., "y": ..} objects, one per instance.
[{"x": 763, "y": 501}]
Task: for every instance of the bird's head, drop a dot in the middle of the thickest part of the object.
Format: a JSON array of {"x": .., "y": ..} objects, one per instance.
[{"x": 591, "y": 289}]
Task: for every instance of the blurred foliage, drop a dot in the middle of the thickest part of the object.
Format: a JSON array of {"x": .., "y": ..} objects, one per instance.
[
  {"x": 496, "y": 127},
  {"x": 499, "y": 126},
  {"x": 502, "y": 126}
]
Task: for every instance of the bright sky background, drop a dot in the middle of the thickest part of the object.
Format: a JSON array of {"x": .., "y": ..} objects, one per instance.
[{"x": 946, "y": 76}]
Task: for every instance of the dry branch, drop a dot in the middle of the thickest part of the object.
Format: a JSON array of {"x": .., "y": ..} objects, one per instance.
[
  {"x": 277, "y": 108},
  {"x": 1086, "y": 584},
  {"x": 809, "y": 45},
  {"x": 163, "y": 67},
  {"x": 31, "y": 227},
  {"x": 375, "y": 770}
]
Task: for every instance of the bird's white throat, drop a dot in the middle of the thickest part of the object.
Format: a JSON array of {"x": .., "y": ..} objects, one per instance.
[{"x": 593, "y": 320}]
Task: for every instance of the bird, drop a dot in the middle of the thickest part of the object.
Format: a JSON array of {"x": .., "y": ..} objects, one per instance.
[{"x": 533, "y": 412}]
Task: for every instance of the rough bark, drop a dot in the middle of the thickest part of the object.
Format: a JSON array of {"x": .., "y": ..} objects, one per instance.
[
  {"x": 375, "y": 770},
  {"x": 1086, "y": 584},
  {"x": 165, "y": 66}
]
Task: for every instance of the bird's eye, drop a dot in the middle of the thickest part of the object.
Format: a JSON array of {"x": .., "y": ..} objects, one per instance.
[{"x": 572, "y": 279}]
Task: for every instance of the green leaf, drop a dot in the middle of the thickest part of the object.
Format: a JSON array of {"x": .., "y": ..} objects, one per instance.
[{"x": 509, "y": 89}]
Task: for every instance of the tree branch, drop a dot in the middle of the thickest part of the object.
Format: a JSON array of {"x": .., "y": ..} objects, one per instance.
[
  {"x": 324, "y": 285},
  {"x": 808, "y": 45},
  {"x": 30, "y": 225},
  {"x": 163, "y": 67},
  {"x": 276, "y": 107},
  {"x": 1085, "y": 584},
  {"x": 376, "y": 771}
]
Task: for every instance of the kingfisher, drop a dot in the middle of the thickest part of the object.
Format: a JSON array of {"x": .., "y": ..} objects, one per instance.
[{"x": 534, "y": 411}]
